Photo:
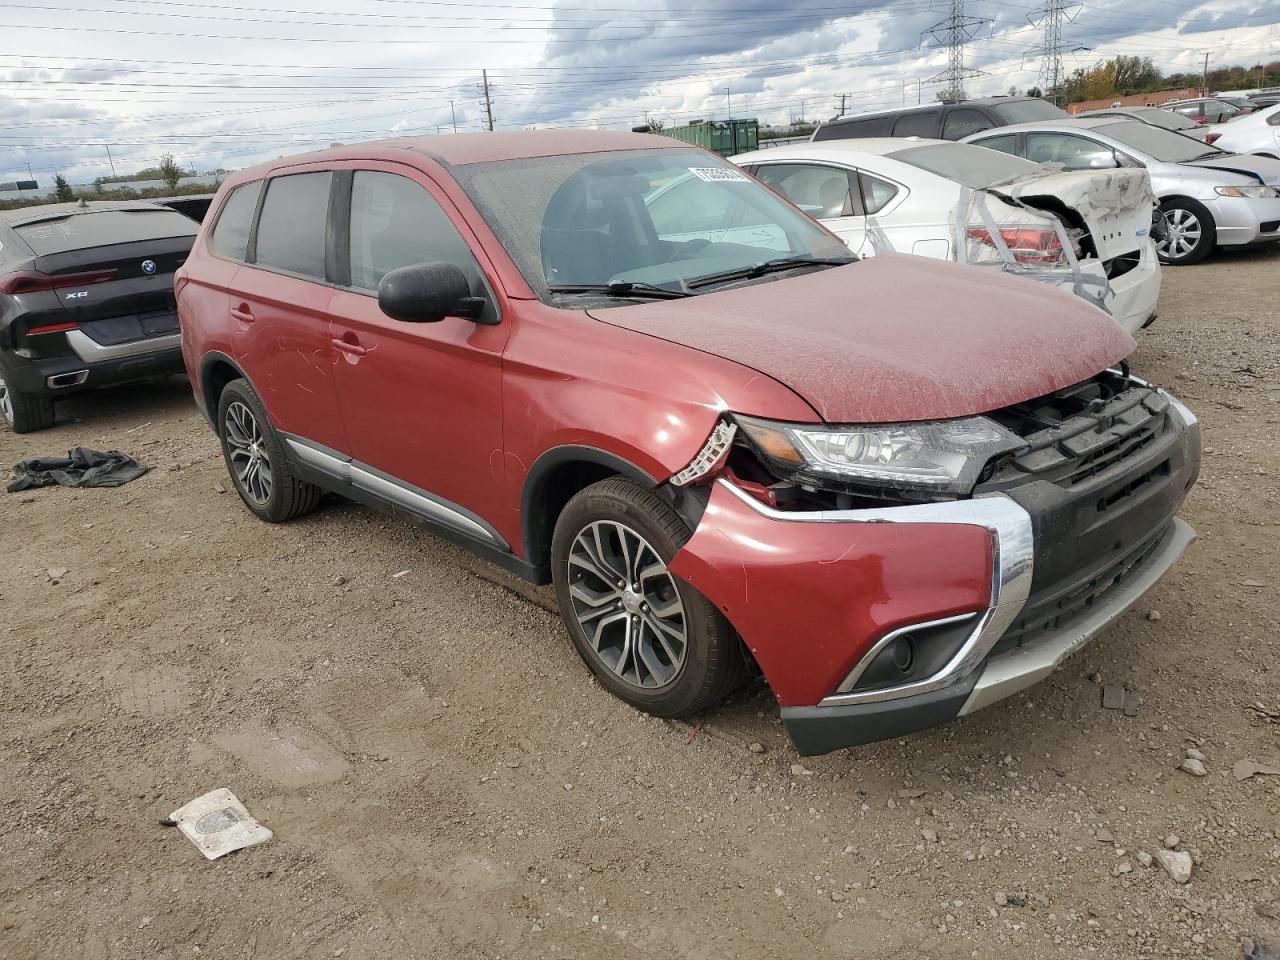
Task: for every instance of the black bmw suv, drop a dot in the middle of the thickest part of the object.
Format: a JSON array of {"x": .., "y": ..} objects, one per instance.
[{"x": 86, "y": 300}]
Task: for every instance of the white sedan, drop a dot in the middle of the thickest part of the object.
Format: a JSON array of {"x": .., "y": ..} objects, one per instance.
[
  {"x": 1257, "y": 132},
  {"x": 1089, "y": 231}
]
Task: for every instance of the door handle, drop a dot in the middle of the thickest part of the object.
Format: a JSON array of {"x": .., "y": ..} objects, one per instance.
[
  {"x": 242, "y": 313},
  {"x": 347, "y": 347}
]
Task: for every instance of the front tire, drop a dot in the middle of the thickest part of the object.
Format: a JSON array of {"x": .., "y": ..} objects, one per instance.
[
  {"x": 25, "y": 412},
  {"x": 1190, "y": 233},
  {"x": 649, "y": 637},
  {"x": 256, "y": 459}
]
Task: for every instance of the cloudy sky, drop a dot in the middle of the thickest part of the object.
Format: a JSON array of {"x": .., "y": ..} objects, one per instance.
[{"x": 228, "y": 82}]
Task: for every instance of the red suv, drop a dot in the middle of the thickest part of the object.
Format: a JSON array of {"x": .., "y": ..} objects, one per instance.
[{"x": 900, "y": 488}]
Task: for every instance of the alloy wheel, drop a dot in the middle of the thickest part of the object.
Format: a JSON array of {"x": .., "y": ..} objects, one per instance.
[
  {"x": 1183, "y": 233},
  {"x": 627, "y": 604},
  {"x": 6, "y": 402},
  {"x": 248, "y": 452}
]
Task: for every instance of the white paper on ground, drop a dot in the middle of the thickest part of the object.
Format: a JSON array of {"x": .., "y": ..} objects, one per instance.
[{"x": 218, "y": 823}]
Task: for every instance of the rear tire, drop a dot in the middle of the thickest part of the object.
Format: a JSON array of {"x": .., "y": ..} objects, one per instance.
[
  {"x": 256, "y": 459},
  {"x": 1190, "y": 235},
  {"x": 25, "y": 412},
  {"x": 650, "y": 638}
]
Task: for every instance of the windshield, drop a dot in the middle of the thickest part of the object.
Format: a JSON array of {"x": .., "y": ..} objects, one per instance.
[
  {"x": 1027, "y": 111},
  {"x": 1163, "y": 145},
  {"x": 655, "y": 217},
  {"x": 975, "y": 167}
]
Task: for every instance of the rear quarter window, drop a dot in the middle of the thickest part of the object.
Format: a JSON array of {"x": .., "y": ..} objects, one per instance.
[
  {"x": 230, "y": 236},
  {"x": 100, "y": 228},
  {"x": 870, "y": 127}
]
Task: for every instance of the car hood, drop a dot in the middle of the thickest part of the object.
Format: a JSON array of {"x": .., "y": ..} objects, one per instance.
[
  {"x": 1261, "y": 169},
  {"x": 894, "y": 337}
]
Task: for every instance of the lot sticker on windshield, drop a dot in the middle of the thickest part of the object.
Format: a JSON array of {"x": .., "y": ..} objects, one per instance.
[{"x": 719, "y": 174}]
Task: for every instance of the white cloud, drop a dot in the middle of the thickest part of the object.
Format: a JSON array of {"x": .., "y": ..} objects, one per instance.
[{"x": 226, "y": 83}]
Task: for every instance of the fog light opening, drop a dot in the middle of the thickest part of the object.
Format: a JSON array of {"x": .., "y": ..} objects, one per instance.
[{"x": 902, "y": 653}]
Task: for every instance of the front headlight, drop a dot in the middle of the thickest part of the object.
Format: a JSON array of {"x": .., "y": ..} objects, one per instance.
[
  {"x": 1256, "y": 193},
  {"x": 937, "y": 457}
]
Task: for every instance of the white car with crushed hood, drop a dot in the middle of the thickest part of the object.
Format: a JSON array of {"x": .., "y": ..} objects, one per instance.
[{"x": 1086, "y": 231}]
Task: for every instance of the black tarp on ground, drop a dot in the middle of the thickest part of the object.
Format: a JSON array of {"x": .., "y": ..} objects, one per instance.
[{"x": 81, "y": 467}]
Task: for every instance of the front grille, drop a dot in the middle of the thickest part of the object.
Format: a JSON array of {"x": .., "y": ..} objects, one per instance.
[
  {"x": 1076, "y": 434},
  {"x": 1053, "y": 609}
]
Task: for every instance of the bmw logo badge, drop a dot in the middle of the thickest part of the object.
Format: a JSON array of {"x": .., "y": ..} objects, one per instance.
[{"x": 148, "y": 267}]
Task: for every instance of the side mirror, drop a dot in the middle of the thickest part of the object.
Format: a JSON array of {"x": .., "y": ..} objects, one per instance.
[
  {"x": 427, "y": 293},
  {"x": 1104, "y": 161}
]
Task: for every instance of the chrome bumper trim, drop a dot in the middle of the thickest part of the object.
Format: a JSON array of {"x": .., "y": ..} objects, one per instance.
[
  {"x": 1012, "y": 555},
  {"x": 1016, "y": 670},
  {"x": 90, "y": 351},
  {"x": 860, "y": 667}
]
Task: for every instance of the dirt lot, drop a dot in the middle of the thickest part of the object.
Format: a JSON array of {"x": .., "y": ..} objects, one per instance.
[{"x": 445, "y": 781}]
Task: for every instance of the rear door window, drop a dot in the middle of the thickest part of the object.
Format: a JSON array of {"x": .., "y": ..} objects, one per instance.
[
  {"x": 396, "y": 223},
  {"x": 99, "y": 228},
  {"x": 230, "y": 237},
  {"x": 291, "y": 229},
  {"x": 962, "y": 121},
  {"x": 822, "y": 192},
  {"x": 922, "y": 123}
]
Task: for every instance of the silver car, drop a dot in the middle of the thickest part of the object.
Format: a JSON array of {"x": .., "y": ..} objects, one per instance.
[
  {"x": 1210, "y": 198},
  {"x": 1155, "y": 117}
]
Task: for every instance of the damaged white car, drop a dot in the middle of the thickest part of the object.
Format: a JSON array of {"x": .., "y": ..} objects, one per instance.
[{"x": 1088, "y": 231}]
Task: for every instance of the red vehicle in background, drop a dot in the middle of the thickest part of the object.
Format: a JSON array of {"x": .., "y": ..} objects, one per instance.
[{"x": 902, "y": 489}]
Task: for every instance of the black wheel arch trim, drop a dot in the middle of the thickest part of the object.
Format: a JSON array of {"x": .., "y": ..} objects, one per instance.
[
  {"x": 207, "y": 363},
  {"x": 535, "y": 529}
]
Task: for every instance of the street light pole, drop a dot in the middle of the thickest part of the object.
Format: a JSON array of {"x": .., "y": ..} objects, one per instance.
[{"x": 453, "y": 113}]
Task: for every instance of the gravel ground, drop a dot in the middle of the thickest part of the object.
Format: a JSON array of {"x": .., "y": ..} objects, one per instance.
[{"x": 444, "y": 780}]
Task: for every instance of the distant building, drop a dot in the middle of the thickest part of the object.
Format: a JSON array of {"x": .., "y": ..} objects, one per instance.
[{"x": 1157, "y": 99}]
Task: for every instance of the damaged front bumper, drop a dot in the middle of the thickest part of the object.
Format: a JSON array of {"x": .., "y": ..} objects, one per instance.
[{"x": 995, "y": 591}]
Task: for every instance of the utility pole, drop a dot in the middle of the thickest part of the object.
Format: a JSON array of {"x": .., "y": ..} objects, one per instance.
[
  {"x": 109, "y": 160},
  {"x": 728, "y": 102},
  {"x": 453, "y": 113},
  {"x": 488, "y": 101},
  {"x": 1050, "y": 19},
  {"x": 953, "y": 33},
  {"x": 1204, "y": 78},
  {"x": 840, "y": 112}
]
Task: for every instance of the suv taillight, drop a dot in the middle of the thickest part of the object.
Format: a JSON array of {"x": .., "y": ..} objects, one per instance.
[
  {"x": 1037, "y": 245},
  {"x": 31, "y": 281}
]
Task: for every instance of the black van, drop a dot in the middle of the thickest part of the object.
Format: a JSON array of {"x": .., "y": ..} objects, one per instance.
[{"x": 950, "y": 120}]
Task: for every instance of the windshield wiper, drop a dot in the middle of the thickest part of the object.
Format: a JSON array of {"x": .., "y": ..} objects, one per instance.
[
  {"x": 769, "y": 266},
  {"x": 624, "y": 288}
]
